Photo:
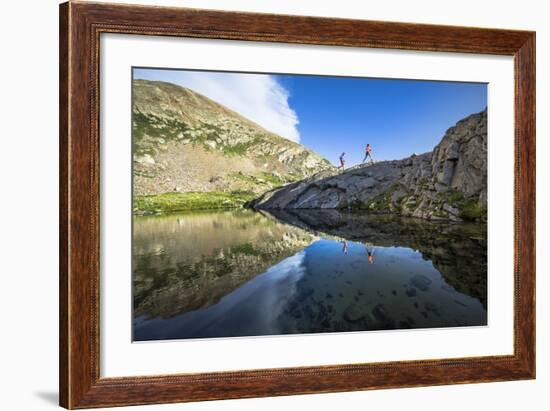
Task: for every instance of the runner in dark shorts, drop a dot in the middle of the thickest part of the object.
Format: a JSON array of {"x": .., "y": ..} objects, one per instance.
[
  {"x": 342, "y": 161},
  {"x": 368, "y": 154}
]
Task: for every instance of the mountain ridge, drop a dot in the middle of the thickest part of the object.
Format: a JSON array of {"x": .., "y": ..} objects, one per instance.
[{"x": 186, "y": 142}]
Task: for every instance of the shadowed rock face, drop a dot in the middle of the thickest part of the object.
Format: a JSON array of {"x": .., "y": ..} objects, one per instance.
[
  {"x": 457, "y": 251},
  {"x": 449, "y": 183}
]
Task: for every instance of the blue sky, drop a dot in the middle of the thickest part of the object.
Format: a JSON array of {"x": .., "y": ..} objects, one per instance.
[{"x": 332, "y": 115}]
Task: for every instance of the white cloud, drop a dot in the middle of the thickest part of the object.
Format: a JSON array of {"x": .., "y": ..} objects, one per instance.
[{"x": 258, "y": 97}]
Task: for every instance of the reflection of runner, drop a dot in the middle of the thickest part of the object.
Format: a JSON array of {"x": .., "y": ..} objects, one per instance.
[
  {"x": 342, "y": 161},
  {"x": 345, "y": 247},
  {"x": 370, "y": 255}
]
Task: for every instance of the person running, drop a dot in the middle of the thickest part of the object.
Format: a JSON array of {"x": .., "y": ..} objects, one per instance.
[
  {"x": 368, "y": 154},
  {"x": 345, "y": 247},
  {"x": 370, "y": 255},
  {"x": 342, "y": 161}
]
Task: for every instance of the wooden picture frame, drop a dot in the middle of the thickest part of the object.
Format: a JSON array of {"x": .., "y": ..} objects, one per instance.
[{"x": 80, "y": 27}]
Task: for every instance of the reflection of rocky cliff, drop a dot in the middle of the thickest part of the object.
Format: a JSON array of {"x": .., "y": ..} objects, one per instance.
[
  {"x": 457, "y": 251},
  {"x": 449, "y": 183},
  {"x": 194, "y": 261}
]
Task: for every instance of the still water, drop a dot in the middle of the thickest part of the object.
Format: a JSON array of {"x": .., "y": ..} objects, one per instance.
[{"x": 245, "y": 273}]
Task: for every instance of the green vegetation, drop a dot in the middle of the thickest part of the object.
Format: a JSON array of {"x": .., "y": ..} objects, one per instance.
[
  {"x": 469, "y": 208},
  {"x": 354, "y": 205},
  {"x": 471, "y": 211},
  {"x": 237, "y": 149},
  {"x": 240, "y": 149},
  {"x": 409, "y": 202},
  {"x": 245, "y": 248},
  {"x": 144, "y": 174},
  {"x": 451, "y": 197},
  {"x": 380, "y": 203},
  {"x": 149, "y": 128},
  {"x": 174, "y": 202},
  {"x": 261, "y": 178},
  {"x": 154, "y": 127}
]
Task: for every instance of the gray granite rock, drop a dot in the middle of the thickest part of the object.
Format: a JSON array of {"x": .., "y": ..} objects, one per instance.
[{"x": 449, "y": 183}]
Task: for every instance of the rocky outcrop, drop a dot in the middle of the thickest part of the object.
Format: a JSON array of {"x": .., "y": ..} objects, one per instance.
[
  {"x": 459, "y": 161},
  {"x": 449, "y": 183},
  {"x": 183, "y": 141}
]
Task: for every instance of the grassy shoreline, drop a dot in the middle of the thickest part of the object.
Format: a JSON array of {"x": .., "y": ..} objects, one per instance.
[{"x": 189, "y": 201}]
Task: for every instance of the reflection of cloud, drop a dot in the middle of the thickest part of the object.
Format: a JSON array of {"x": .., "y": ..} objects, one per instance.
[
  {"x": 252, "y": 309},
  {"x": 269, "y": 293},
  {"x": 280, "y": 286},
  {"x": 258, "y": 97}
]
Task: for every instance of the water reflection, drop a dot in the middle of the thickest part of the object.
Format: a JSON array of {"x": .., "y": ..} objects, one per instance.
[
  {"x": 190, "y": 261},
  {"x": 244, "y": 273}
]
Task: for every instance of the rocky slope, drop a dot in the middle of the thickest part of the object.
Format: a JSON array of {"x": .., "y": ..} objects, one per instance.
[
  {"x": 449, "y": 183},
  {"x": 185, "y": 142}
]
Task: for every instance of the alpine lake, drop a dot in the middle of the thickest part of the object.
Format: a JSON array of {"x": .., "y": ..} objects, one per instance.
[{"x": 248, "y": 273}]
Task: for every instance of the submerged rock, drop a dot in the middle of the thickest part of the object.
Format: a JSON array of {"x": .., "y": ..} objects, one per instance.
[
  {"x": 411, "y": 292},
  {"x": 353, "y": 314},
  {"x": 421, "y": 282},
  {"x": 382, "y": 317}
]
